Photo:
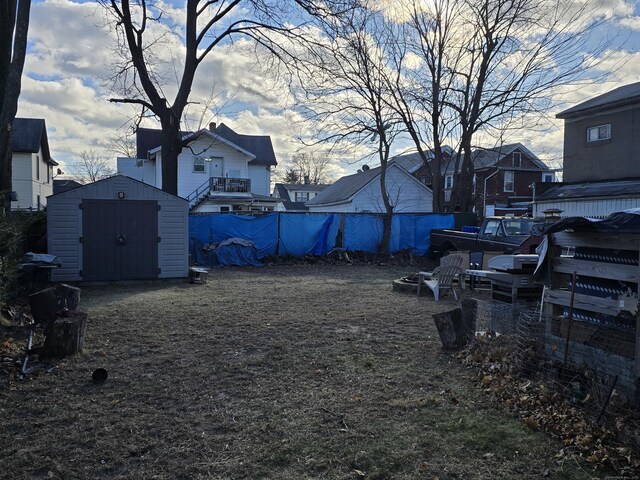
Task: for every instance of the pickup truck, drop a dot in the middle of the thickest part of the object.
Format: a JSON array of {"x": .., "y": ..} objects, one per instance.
[{"x": 496, "y": 234}]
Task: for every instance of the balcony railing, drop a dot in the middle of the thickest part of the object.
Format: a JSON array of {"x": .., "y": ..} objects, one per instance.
[{"x": 229, "y": 185}]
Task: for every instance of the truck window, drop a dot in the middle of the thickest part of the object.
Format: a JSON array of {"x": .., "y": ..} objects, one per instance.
[
  {"x": 518, "y": 226},
  {"x": 492, "y": 228}
]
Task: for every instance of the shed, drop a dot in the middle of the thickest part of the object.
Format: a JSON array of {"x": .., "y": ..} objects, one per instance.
[
  {"x": 118, "y": 229},
  {"x": 594, "y": 322}
]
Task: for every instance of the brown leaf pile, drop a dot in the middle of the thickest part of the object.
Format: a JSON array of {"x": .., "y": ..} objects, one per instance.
[{"x": 552, "y": 410}]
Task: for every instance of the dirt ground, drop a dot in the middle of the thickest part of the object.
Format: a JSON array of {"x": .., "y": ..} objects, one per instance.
[{"x": 279, "y": 372}]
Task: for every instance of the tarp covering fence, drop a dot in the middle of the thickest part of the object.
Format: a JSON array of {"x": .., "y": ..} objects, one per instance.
[{"x": 317, "y": 233}]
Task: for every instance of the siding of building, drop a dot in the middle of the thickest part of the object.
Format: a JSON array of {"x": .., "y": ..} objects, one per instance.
[
  {"x": 25, "y": 181},
  {"x": 64, "y": 225},
  {"x": 405, "y": 192},
  {"x": 615, "y": 158},
  {"x": 594, "y": 208}
]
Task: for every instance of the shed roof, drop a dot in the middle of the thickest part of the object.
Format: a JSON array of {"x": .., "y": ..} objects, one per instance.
[
  {"x": 607, "y": 188},
  {"x": 618, "y": 97},
  {"x": 88, "y": 187}
]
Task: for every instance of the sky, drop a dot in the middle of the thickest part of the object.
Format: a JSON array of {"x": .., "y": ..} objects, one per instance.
[{"x": 68, "y": 72}]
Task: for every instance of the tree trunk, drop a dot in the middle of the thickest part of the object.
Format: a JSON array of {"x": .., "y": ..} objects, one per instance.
[
  {"x": 14, "y": 26},
  {"x": 65, "y": 336},
  {"x": 171, "y": 148}
]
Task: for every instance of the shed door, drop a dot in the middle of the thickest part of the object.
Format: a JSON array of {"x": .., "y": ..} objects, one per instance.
[{"x": 120, "y": 239}]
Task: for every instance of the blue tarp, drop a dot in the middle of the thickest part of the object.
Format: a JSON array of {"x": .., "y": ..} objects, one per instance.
[
  {"x": 230, "y": 252},
  {"x": 262, "y": 231},
  {"x": 362, "y": 233},
  {"x": 412, "y": 232},
  {"x": 301, "y": 234}
]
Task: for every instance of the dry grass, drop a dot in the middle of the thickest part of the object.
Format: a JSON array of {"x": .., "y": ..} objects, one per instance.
[{"x": 284, "y": 372}]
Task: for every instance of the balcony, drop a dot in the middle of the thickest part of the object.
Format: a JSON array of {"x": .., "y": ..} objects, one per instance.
[{"x": 229, "y": 185}]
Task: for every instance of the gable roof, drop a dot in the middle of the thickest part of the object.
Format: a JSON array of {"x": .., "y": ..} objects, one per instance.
[
  {"x": 28, "y": 135},
  {"x": 346, "y": 187},
  {"x": 625, "y": 95},
  {"x": 411, "y": 162},
  {"x": 488, "y": 157},
  {"x": 208, "y": 133},
  {"x": 257, "y": 146}
]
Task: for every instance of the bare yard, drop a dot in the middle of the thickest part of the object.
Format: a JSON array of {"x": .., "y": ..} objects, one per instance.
[{"x": 283, "y": 372}]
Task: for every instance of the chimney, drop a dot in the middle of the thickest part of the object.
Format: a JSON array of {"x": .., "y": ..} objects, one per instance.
[
  {"x": 306, "y": 179},
  {"x": 212, "y": 126}
]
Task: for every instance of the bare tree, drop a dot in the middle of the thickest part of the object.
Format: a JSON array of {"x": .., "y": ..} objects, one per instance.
[
  {"x": 14, "y": 25},
  {"x": 346, "y": 93},
  {"x": 91, "y": 167},
  {"x": 123, "y": 145},
  {"x": 487, "y": 63},
  {"x": 207, "y": 25},
  {"x": 311, "y": 167}
]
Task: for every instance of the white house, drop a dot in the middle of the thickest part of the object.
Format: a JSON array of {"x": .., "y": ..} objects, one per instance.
[
  {"x": 32, "y": 165},
  {"x": 291, "y": 197},
  {"x": 219, "y": 170},
  {"x": 361, "y": 193}
]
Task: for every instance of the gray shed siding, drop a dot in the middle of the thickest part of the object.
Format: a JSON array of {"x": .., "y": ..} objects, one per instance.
[{"x": 64, "y": 225}]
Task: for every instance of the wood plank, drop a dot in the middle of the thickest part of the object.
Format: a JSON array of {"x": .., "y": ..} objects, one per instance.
[
  {"x": 597, "y": 240},
  {"x": 625, "y": 273},
  {"x": 605, "y": 306},
  {"x": 602, "y": 338}
]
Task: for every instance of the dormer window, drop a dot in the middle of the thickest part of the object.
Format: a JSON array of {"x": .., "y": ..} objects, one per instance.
[{"x": 599, "y": 133}]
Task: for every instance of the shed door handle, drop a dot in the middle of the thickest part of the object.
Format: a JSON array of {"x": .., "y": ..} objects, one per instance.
[{"x": 121, "y": 240}]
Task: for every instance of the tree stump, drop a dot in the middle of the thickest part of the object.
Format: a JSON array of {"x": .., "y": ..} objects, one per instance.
[
  {"x": 68, "y": 297},
  {"x": 44, "y": 305},
  {"x": 457, "y": 327},
  {"x": 65, "y": 336}
]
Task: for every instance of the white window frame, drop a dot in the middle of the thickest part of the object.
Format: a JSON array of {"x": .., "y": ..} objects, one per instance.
[
  {"x": 228, "y": 208},
  {"x": 204, "y": 163},
  {"x": 551, "y": 175},
  {"x": 299, "y": 196},
  {"x": 516, "y": 163},
  {"x": 448, "y": 182},
  {"x": 600, "y": 133},
  {"x": 509, "y": 173}
]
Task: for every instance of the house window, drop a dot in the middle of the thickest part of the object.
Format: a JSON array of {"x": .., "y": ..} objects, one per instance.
[
  {"x": 38, "y": 169},
  {"x": 598, "y": 133},
  {"x": 38, "y": 200},
  {"x": 508, "y": 181},
  {"x": 237, "y": 208},
  {"x": 225, "y": 208},
  {"x": 474, "y": 182},
  {"x": 198, "y": 165},
  {"x": 517, "y": 159},
  {"x": 547, "y": 177},
  {"x": 302, "y": 196},
  {"x": 448, "y": 182},
  {"x": 49, "y": 174}
]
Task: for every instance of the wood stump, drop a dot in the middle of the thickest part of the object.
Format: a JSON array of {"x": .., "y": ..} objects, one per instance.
[
  {"x": 64, "y": 336},
  {"x": 457, "y": 327},
  {"x": 48, "y": 303}
]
